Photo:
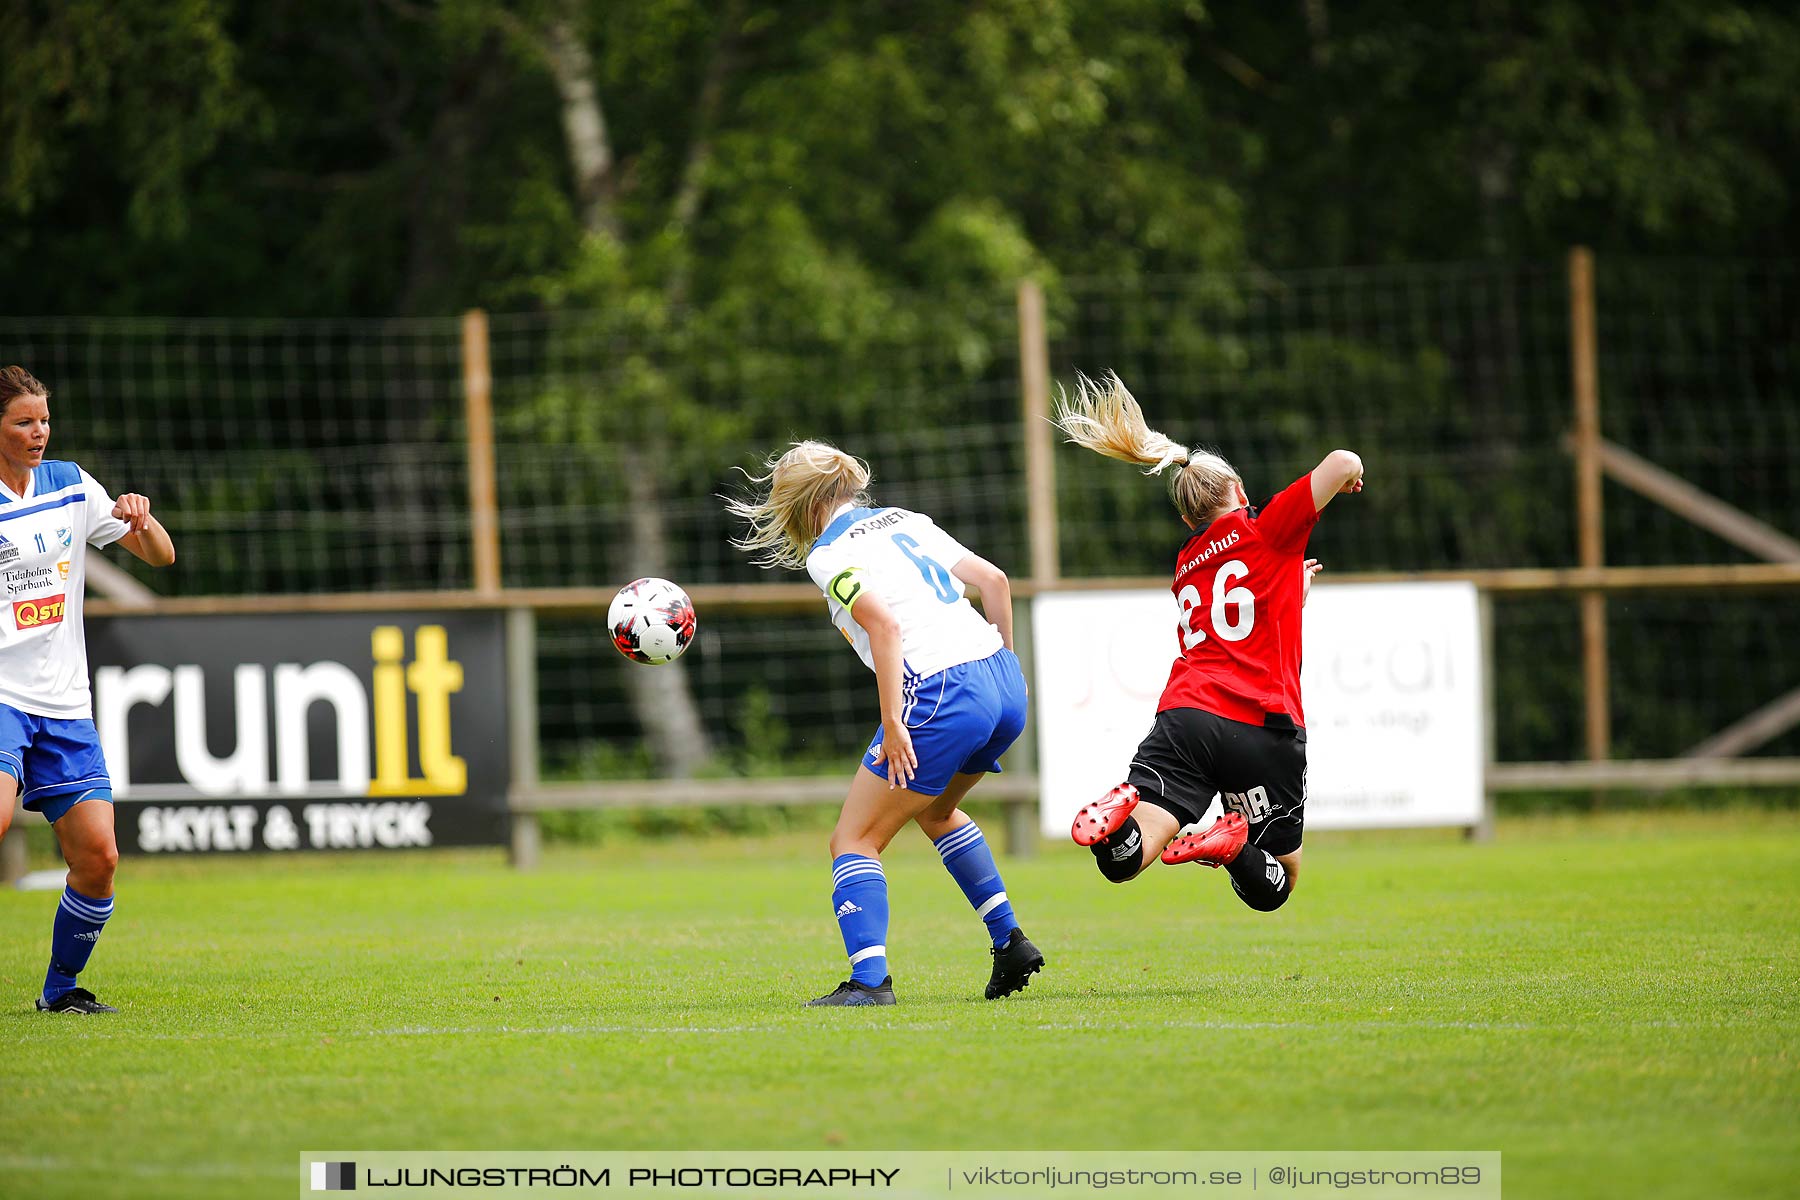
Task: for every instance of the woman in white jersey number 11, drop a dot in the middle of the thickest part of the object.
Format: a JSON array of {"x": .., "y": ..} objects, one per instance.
[
  {"x": 952, "y": 695},
  {"x": 50, "y": 513}
]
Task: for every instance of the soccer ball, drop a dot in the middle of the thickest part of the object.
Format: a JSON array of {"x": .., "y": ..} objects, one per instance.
[{"x": 652, "y": 621}]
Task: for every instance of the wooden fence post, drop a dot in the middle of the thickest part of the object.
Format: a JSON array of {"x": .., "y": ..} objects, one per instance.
[
  {"x": 522, "y": 731},
  {"x": 1040, "y": 444},
  {"x": 478, "y": 412},
  {"x": 1584, "y": 367},
  {"x": 1040, "y": 518}
]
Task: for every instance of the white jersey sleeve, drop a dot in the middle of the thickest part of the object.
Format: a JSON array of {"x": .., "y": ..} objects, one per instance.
[
  {"x": 904, "y": 558},
  {"x": 103, "y": 529}
]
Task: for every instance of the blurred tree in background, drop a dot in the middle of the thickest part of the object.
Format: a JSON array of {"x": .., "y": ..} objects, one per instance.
[
  {"x": 1390, "y": 132},
  {"x": 381, "y": 157}
]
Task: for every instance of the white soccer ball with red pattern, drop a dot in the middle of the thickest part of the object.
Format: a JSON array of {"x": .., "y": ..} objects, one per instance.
[{"x": 652, "y": 621}]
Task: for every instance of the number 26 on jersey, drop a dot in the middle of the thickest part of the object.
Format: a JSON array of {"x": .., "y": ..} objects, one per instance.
[{"x": 1224, "y": 599}]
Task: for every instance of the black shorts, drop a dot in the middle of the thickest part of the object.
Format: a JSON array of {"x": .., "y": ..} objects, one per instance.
[{"x": 1260, "y": 772}]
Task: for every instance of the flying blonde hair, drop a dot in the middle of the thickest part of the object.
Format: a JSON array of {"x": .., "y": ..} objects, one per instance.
[
  {"x": 803, "y": 484},
  {"x": 1104, "y": 417}
]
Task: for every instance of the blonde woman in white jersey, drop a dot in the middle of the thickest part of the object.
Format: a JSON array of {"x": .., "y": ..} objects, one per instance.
[
  {"x": 952, "y": 694},
  {"x": 50, "y": 513}
]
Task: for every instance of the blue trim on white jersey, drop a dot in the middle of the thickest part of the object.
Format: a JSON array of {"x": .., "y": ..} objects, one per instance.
[
  {"x": 56, "y": 474},
  {"x": 836, "y": 529},
  {"x": 76, "y": 498},
  {"x": 52, "y": 475}
]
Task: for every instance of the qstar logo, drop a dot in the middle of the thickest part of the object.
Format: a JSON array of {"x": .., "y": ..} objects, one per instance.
[{"x": 30, "y": 614}]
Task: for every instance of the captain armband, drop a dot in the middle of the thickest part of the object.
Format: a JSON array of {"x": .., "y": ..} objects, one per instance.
[{"x": 846, "y": 587}]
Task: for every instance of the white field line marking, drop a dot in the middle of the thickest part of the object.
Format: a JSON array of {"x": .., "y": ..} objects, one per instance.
[
  {"x": 934, "y": 1027},
  {"x": 215, "y": 1170}
]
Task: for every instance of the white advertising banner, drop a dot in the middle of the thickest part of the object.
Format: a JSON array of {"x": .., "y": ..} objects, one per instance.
[{"x": 1391, "y": 684}]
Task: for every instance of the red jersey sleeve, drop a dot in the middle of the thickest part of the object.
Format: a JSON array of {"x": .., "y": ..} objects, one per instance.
[{"x": 1287, "y": 521}]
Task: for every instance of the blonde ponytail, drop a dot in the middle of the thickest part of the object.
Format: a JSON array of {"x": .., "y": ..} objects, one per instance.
[
  {"x": 803, "y": 484},
  {"x": 1104, "y": 417}
]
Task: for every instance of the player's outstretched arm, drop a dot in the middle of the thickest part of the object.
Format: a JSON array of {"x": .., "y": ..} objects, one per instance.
[
  {"x": 992, "y": 588},
  {"x": 883, "y": 628},
  {"x": 147, "y": 539},
  {"x": 1338, "y": 473}
]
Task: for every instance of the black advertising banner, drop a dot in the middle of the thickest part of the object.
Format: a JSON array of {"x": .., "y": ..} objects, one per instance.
[{"x": 303, "y": 731}]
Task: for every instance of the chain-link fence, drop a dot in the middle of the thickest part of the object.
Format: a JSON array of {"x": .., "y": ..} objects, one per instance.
[
  {"x": 291, "y": 457},
  {"x": 286, "y": 456}
]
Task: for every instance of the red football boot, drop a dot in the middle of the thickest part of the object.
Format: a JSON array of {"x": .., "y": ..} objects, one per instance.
[
  {"x": 1100, "y": 820},
  {"x": 1215, "y": 845}
]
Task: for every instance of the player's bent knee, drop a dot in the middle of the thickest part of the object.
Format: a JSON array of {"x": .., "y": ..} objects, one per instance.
[
  {"x": 935, "y": 822},
  {"x": 1261, "y": 901},
  {"x": 1261, "y": 880},
  {"x": 95, "y": 862},
  {"x": 863, "y": 843},
  {"x": 1291, "y": 864},
  {"x": 1121, "y": 857},
  {"x": 1120, "y": 872}
]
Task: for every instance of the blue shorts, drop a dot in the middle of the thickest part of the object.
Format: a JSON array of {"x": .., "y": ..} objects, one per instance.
[
  {"x": 57, "y": 763},
  {"x": 962, "y": 720}
]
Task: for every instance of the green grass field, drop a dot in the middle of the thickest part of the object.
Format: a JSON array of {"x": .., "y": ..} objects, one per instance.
[{"x": 1611, "y": 1003}]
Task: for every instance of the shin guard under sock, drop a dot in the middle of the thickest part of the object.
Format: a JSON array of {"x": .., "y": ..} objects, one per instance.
[
  {"x": 1121, "y": 856},
  {"x": 1259, "y": 879}
]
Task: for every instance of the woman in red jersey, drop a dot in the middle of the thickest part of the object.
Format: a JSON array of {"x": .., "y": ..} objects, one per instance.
[{"x": 1229, "y": 720}]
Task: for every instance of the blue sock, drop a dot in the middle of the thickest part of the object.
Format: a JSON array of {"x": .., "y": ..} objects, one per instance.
[
  {"x": 859, "y": 894},
  {"x": 967, "y": 857},
  {"x": 79, "y": 921}
]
